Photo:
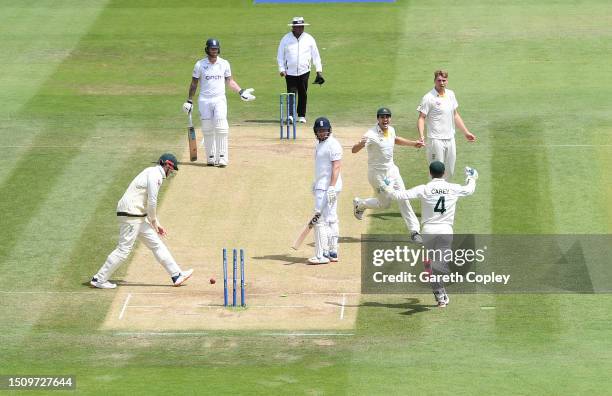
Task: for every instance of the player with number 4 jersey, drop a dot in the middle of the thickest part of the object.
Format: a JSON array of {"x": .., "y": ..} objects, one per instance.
[{"x": 438, "y": 200}]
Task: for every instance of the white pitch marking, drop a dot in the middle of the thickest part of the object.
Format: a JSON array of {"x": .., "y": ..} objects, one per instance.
[
  {"x": 306, "y": 334},
  {"x": 158, "y": 334},
  {"x": 305, "y": 294},
  {"x": 257, "y": 334},
  {"x": 487, "y": 307},
  {"x": 251, "y": 306},
  {"x": 277, "y": 306},
  {"x": 343, "y": 305},
  {"x": 125, "y": 305},
  {"x": 92, "y": 292}
]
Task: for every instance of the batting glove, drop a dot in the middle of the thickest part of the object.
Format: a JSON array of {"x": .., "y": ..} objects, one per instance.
[
  {"x": 319, "y": 79},
  {"x": 246, "y": 94},
  {"x": 331, "y": 195},
  {"x": 471, "y": 173},
  {"x": 188, "y": 106}
]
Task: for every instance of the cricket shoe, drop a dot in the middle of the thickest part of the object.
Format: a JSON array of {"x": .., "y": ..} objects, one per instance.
[
  {"x": 318, "y": 260},
  {"x": 101, "y": 285},
  {"x": 289, "y": 120},
  {"x": 302, "y": 120},
  {"x": 332, "y": 256},
  {"x": 442, "y": 299},
  {"x": 182, "y": 277},
  {"x": 358, "y": 213},
  {"x": 416, "y": 237}
]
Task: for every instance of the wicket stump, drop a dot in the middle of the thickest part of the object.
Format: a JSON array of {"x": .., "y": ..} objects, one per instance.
[
  {"x": 234, "y": 278},
  {"x": 288, "y": 108}
]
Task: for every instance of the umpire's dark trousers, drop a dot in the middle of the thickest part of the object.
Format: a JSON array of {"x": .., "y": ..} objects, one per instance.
[{"x": 299, "y": 85}]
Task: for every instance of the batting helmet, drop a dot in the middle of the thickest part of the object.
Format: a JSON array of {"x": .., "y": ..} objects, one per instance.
[
  {"x": 383, "y": 111},
  {"x": 322, "y": 123},
  {"x": 212, "y": 43},
  {"x": 168, "y": 159}
]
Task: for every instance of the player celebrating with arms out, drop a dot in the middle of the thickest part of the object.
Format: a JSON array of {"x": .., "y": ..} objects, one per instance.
[
  {"x": 438, "y": 110},
  {"x": 214, "y": 72},
  {"x": 438, "y": 200},
  {"x": 326, "y": 187},
  {"x": 380, "y": 141}
]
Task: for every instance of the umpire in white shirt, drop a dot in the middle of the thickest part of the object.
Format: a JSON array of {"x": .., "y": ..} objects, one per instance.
[{"x": 297, "y": 51}]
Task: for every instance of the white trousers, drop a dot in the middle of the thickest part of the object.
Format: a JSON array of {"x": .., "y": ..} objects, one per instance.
[
  {"x": 438, "y": 238},
  {"x": 383, "y": 201},
  {"x": 215, "y": 129},
  {"x": 443, "y": 150},
  {"x": 329, "y": 224},
  {"x": 130, "y": 229}
]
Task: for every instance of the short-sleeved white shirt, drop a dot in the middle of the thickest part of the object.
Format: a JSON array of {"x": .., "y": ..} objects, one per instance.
[
  {"x": 212, "y": 76},
  {"x": 327, "y": 151},
  {"x": 380, "y": 148},
  {"x": 440, "y": 112}
]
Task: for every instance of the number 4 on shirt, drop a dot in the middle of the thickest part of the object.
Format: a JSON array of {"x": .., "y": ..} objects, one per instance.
[{"x": 440, "y": 205}]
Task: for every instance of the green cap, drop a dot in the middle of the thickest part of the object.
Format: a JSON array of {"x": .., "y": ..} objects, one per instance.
[
  {"x": 383, "y": 111},
  {"x": 436, "y": 168}
]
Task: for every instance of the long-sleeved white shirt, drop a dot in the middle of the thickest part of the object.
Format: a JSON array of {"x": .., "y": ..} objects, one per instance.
[
  {"x": 296, "y": 54},
  {"x": 140, "y": 198},
  {"x": 438, "y": 199}
]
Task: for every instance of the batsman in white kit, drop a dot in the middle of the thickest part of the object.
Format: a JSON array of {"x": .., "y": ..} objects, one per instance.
[
  {"x": 214, "y": 72},
  {"x": 379, "y": 142},
  {"x": 137, "y": 215},
  {"x": 438, "y": 200},
  {"x": 326, "y": 187}
]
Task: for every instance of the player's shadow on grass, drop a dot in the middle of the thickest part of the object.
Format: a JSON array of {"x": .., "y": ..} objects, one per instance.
[
  {"x": 198, "y": 164},
  {"x": 411, "y": 305},
  {"x": 341, "y": 240},
  {"x": 389, "y": 215},
  {"x": 288, "y": 259},
  {"x": 263, "y": 121},
  {"x": 124, "y": 283}
]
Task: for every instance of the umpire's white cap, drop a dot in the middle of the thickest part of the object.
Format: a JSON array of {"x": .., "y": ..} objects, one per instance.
[{"x": 298, "y": 21}]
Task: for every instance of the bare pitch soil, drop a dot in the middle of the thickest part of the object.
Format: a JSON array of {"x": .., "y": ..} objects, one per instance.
[{"x": 259, "y": 203}]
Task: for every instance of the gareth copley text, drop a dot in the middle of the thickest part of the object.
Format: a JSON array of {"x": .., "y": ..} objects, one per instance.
[{"x": 425, "y": 277}]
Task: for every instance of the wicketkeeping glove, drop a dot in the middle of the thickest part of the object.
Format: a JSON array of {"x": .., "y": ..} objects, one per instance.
[
  {"x": 331, "y": 195},
  {"x": 246, "y": 94},
  {"x": 319, "y": 79},
  {"x": 471, "y": 173},
  {"x": 188, "y": 106}
]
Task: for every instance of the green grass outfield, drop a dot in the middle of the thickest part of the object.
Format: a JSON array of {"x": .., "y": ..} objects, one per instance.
[{"x": 91, "y": 93}]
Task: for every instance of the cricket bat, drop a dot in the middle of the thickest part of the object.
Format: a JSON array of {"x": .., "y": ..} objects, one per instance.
[
  {"x": 191, "y": 138},
  {"x": 305, "y": 231}
]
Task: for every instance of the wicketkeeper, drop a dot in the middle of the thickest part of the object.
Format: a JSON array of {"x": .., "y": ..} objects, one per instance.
[{"x": 438, "y": 200}]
